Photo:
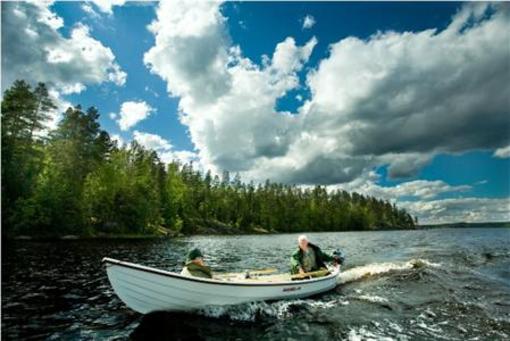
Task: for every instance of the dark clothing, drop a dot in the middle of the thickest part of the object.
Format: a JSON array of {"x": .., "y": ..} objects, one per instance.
[
  {"x": 194, "y": 254},
  {"x": 308, "y": 262},
  {"x": 296, "y": 260},
  {"x": 192, "y": 269}
]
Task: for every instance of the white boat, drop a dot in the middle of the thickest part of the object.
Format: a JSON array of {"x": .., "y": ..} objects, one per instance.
[{"x": 146, "y": 289}]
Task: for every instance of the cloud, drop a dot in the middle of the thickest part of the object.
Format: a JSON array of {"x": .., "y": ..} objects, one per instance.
[
  {"x": 118, "y": 139},
  {"x": 33, "y": 49},
  {"x": 183, "y": 157},
  {"x": 106, "y": 6},
  {"x": 403, "y": 165},
  {"x": 89, "y": 9},
  {"x": 289, "y": 58},
  {"x": 226, "y": 100},
  {"x": 308, "y": 22},
  {"x": 395, "y": 99},
  {"x": 424, "y": 189},
  {"x": 407, "y": 96},
  {"x": 131, "y": 113},
  {"x": 165, "y": 149},
  {"x": 503, "y": 152},
  {"x": 190, "y": 52},
  {"x": 152, "y": 141},
  {"x": 405, "y": 191},
  {"x": 420, "y": 198},
  {"x": 459, "y": 210}
]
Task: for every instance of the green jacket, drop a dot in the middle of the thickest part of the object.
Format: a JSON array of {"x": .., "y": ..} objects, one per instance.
[
  {"x": 192, "y": 269},
  {"x": 296, "y": 260}
]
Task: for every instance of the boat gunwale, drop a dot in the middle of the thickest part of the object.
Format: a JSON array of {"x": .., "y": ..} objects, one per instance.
[{"x": 112, "y": 261}]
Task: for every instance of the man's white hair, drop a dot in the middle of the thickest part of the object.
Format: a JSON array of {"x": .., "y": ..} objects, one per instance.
[{"x": 302, "y": 237}]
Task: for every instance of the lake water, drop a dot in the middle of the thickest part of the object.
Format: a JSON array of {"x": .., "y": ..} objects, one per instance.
[{"x": 408, "y": 285}]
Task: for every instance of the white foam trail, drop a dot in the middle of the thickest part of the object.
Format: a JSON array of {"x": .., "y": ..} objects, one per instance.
[
  {"x": 396, "y": 327},
  {"x": 363, "y": 333},
  {"x": 360, "y": 272},
  {"x": 278, "y": 309},
  {"x": 284, "y": 309},
  {"x": 372, "y": 298}
]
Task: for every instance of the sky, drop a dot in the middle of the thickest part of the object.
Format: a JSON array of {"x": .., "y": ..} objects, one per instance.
[{"x": 408, "y": 102}]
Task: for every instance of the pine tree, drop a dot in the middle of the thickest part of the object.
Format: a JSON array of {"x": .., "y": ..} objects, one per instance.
[{"x": 24, "y": 113}]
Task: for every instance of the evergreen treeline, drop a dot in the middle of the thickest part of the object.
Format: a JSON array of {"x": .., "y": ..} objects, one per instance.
[{"x": 76, "y": 180}]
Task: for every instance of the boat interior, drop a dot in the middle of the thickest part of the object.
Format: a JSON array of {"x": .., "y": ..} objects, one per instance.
[{"x": 247, "y": 277}]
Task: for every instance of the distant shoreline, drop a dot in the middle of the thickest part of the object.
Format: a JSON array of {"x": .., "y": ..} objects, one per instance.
[
  {"x": 465, "y": 225},
  {"x": 255, "y": 232}
]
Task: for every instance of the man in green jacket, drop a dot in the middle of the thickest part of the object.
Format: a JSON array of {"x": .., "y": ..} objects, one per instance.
[
  {"x": 308, "y": 257},
  {"x": 195, "y": 266}
]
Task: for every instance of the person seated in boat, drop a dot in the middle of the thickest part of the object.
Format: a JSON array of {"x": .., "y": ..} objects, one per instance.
[
  {"x": 309, "y": 257},
  {"x": 195, "y": 266}
]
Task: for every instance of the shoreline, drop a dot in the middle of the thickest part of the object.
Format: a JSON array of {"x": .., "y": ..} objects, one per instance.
[
  {"x": 222, "y": 233},
  {"x": 163, "y": 237}
]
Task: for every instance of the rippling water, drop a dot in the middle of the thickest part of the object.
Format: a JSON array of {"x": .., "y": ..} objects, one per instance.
[{"x": 409, "y": 285}]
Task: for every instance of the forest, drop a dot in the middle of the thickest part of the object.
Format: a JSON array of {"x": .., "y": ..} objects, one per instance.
[{"x": 76, "y": 180}]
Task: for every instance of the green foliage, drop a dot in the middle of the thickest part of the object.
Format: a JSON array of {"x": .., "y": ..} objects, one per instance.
[
  {"x": 77, "y": 181},
  {"x": 24, "y": 114},
  {"x": 74, "y": 150},
  {"x": 123, "y": 194}
]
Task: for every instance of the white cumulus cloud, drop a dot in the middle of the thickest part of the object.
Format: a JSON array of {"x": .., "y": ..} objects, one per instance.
[
  {"x": 152, "y": 141},
  {"x": 226, "y": 100},
  {"x": 132, "y": 112},
  {"x": 470, "y": 210},
  {"x": 308, "y": 22},
  {"x": 40, "y": 53},
  {"x": 164, "y": 148},
  {"x": 420, "y": 198},
  {"x": 393, "y": 99},
  {"x": 106, "y": 6},
  {"x": 408, "y": 190}
]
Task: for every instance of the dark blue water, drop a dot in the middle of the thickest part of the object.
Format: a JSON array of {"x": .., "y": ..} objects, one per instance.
[{"x": 449, "y": 284}]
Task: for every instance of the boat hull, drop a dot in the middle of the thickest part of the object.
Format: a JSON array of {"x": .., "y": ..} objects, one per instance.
[{"x": 146, "y": 289}]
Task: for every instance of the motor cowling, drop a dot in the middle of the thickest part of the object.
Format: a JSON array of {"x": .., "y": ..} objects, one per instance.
[{"x": 339, "y": 256}]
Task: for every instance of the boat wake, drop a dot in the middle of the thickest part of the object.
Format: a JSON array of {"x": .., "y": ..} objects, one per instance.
[
  {"x": 256, "y": 311},
  {"x": 375, "y": 269}
]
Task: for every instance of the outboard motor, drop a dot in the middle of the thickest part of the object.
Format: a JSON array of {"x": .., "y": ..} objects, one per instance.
[{"x": 339, "y": 256}]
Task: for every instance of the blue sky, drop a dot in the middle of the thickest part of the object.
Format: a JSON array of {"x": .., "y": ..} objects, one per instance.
[{"x": 435, "y": 160}]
